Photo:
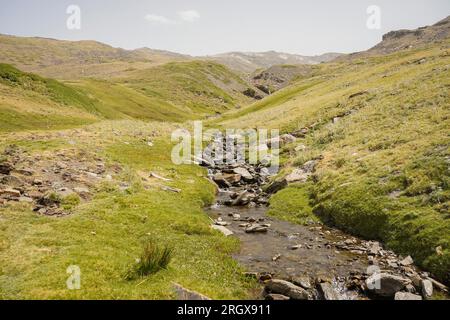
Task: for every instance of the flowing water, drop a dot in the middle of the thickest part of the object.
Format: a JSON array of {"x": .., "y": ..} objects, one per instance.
[{"x": 272, "y": 252}]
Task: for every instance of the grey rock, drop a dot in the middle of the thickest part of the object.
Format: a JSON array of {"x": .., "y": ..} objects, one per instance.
[
  {"x": 276, "y": 296},
  {"x": 406, "y": 296},
  {"x": 427, "y": 288},
  {"x": 25, "y": 199},
  {"x": 276, "y": 186},
  {"x": 9, "y": 192},
  {"x": 438, "y": 285},
  {"x": 244, "y": 174},
  {"x": 374, "y": 248},
  {"x": 303, "y": 282},
  {"x": 287, "y": 289},
  {"x": 6, "y": 168},
  {"x": 11, "y": 181},
  {"x": 309, "y": 166},
  {"x": 256, "y": 228},
  {"x": 242, "y": 199},
  {"x": 327, "y": 291},
  {"x": 220, "y": 180},
  {"x": 227, "y": 232},
  {"x": 186, "y": 294},
  {"x": 298, "y": 175},
  {"x": 386, "y": 285},
  {"x": 407, "y": 261}
]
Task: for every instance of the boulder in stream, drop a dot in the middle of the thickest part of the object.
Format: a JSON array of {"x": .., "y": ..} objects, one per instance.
[
  {"x": 427, "y": 288},
  {"x": 327, "y": 291},
  {"x": 386, "y": 285},
  {"x": 287, "y": 289},
  {"x": 406, "y": 296}
]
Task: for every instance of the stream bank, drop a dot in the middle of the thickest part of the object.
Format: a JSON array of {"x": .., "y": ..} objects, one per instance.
[{"x": 312, "y": 261}]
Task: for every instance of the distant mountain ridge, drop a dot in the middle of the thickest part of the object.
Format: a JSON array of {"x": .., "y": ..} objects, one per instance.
[
  {"x": 64, "y": 59},
  {"x": 251, "y": 61},
  {"x": 394, "y": 41}
]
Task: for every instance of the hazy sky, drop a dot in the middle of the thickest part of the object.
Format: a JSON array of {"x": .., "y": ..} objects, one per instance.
[{"x": 200, "y": 27}]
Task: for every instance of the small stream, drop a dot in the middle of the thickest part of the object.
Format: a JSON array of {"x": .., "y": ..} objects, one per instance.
[
  {"x": 287, "y": 250},
  {"x": 318, "y": 261}
]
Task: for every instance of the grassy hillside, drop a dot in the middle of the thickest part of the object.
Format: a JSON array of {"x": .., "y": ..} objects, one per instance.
[
  {"x": 77, "y": 59},
  {"x": 173, "y": 92},
  {"x": 105, "y": 235},
  {"x": 200, "y": 87},
  {"x": 381, "y": 125},
  {"x": 28, "y": 101}
]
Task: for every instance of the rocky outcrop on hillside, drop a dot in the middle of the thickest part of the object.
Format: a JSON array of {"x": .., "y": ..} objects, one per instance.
[
  {"x": 278, "y": 77},
  {"x": 394, "y": 41}
]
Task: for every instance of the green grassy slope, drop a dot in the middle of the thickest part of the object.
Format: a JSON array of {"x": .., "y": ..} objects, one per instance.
[
  {"x": 105, "y": 236},
  {"x": 173, "y": 92},
  {"x": 203, "y": 87},
  {"x": 77, "y": 59},
  {"x": 28, "y": 101},
  {"x": 384, "y": 172}
]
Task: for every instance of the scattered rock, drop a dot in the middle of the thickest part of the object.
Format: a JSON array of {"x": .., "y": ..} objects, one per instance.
[
  {"x": 6, "y": 168},
  {"x": 12, "y": 181},
  {"x": 298, "y": 175},
  {"x": 9, "y": 192},
  {"x": 227, "y": 232},
  {"x": 328, "y": 292},
  {"x": 386, "y": 285},
  {"x": 37, "y": 182},
  {"x": 276, "y": 257},
  {"x": 276, "y": 186},
  {"x": 438, "y": 285},
  {"x": 154, "y": 175},
  {"x": 35, "y": 194},
  {"x": 186, "y": 294},
  {"x": 91, "y": 175},
  {"x": 427, "y": 288},
  {"x": 242, "y": 199},
  {"x": 406, "y": 296},
  {"x": 220, "y": 180},
  {"x": 167, "y": 188},
  {"x": 276, "y": 296},
  {"x": 303, "y": 282},
  {"x": 244, "y": 174},
  {"x": 256, "y": 228},
  {"x": 25, "y": 199},
  {"x": 287, "y": 289},
  {"x": 407, "y": 261}
]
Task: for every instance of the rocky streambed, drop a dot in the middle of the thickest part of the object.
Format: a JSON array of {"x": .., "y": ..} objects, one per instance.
[{"x": 312, "y": 261}]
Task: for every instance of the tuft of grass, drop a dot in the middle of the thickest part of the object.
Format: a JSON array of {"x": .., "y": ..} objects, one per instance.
[
  {"x": 154, "y": 258},
  {"x": 71, "y": 201}
]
